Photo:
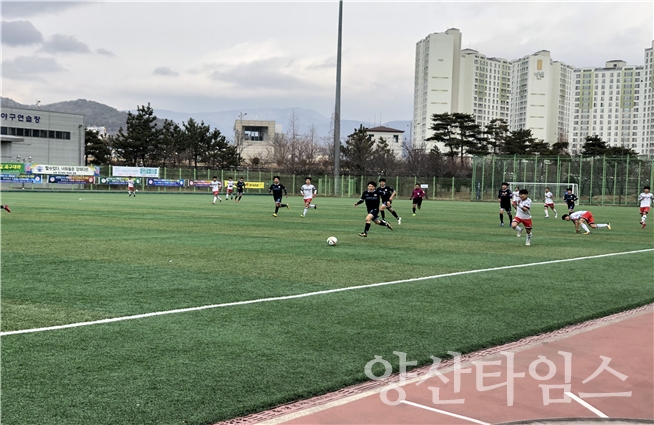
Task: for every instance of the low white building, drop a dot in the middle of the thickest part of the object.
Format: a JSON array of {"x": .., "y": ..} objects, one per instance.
[{"x": 392, "y": 136}]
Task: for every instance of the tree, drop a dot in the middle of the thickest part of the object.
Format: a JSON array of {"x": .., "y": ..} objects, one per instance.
[
  {"x": 96, "y": 148},
  {"x": 496, "y": 133},
  {"x": 136, "y": 145},
  {"x": 443, "y": 131},
  {"x": 518, "y": 142},
  {"x": 197, "y": 140},
  {"x": 594, "y": 146},
  {"x": 219, "y": 153},
  {"x": 539, "y": 147},
  {"x": 458, "y": 132},
  {"x": 170, "y": 145},
  {"x": 357, "y": 151},
  {"x": 383, "y": 158},
  {"x": 619, "y": 151}
]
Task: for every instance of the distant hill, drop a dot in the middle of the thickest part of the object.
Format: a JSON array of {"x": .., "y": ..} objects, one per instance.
[{"x": 98, "y": 114}]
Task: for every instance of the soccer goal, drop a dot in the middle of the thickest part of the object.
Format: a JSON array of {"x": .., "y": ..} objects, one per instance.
[{"x": 537, "y": 190}]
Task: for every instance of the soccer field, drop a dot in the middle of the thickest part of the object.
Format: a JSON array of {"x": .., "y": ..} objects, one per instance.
[{"x": 66, "y": 261}]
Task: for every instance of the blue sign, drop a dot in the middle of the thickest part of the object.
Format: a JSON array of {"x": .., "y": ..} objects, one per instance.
[
  {"x": 20, "y": 178},
  {"x": 71, "y": 179},
  {"x": 165, "y": 182}
]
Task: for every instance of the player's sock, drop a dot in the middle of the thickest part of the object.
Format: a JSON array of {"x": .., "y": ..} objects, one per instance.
[
  {"x": 546, "y": 214},
  {"x": 583, "y": 226},
  {"x": 518, "y": 229},
  {"x": 644, "y": 218},
  {"x": 383, "y": 215},
  {"x": 501, "y": 218},
  {"x": 276, "y": 209},
  {"x": 395, "y": 214},
  {"x": 555, "y": 213},
  {"x": 510, "y": 217},
  {"x": 383, "y": 222},
  {"x": 215, "y": 198},
  {"x": 305, "y": 211},
  {"x": 414, "y": 210},
  {"x": 599, "y": 226},
  {"x": 312, "y": 206},
  {"x": 367, "y": 228}
]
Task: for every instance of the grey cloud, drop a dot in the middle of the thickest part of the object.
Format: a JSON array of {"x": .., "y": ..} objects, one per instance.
[
  {"x": 105, "y": 52},
  {"x": 23, "y": 9},
  {"x": 264, "y": 73},
  {"x": 60, "y": 43},
  {"x": 19, "y": 33},
  {"x": 25, "y": 67},
  {"x": 165, "y": 71}
]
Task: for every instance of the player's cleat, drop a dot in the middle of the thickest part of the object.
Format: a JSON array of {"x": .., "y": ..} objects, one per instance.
[
  {"x": 315, "y": 207},
  {"x": 528, "y": 243},
  {"x": 399, "y": 221},
  {"x": 586, "y": 233},
  {"x": 302, "y": 215},
  {"x": 501, "y": 224},
  {"x": 389, "y": 226},
  {"x": 642, "y": 225},
  {"x": 274, "y": 215},
  {"x": 608, "y": 226},
  {"x": 288, "y": 207},
  {"x": 519, "y": 233},
  {"x": 8, "y": 210},
  {"x": 556, "y": 216},
  {"x": 414, "y": 215},
  {"x": 547, "y": 216},
  {"x": 363, "y": 235}
]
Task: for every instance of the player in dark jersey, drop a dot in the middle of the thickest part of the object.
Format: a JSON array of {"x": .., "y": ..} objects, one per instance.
[
  {"x": 504, "y": 196},
  {"x": 372, "y": 198},
  {"x": 276, "y": 189},
  {"x": 240, "y": 187},
  {"x": 387, "y": 194},
  {"x": 417, "y": 195},
  {"x": 570, "y": 199}
]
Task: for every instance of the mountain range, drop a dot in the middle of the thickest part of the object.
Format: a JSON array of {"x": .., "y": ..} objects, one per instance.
[{"x": 98, "y": 114}]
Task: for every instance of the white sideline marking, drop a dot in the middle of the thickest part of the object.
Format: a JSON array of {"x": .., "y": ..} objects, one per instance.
[
  {"x": 586, "y": 405},
  {"x": 310, "y": 294},
  {"x": 445, "y": 412}
]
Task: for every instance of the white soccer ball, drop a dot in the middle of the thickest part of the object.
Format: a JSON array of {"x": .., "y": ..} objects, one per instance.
[{"x": 331, "y": 241}]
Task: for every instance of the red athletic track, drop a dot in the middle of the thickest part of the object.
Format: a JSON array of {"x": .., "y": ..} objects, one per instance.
[{"x": 626, "y": 338}]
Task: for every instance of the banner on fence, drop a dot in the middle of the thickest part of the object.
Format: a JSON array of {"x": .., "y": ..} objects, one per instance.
[
  {"x": 119, "y": 181},
  {"x": 255, "y": 185},
  {"x": 165, "y": 182},
  {"x": 199, "y": 183},
  {"x": 63, "y": 170},
  {"x": 135, "y": 171},
  {"x": 12, "y": 167},
  {"x": 21, "y": 178},
  {"x": 71, "y": 179}
]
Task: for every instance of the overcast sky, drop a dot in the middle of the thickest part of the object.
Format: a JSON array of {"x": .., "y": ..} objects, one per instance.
[{"x": 214, "y": 56}]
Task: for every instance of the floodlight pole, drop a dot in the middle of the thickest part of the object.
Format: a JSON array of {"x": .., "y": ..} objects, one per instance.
[{"x": 337, "y": 109}]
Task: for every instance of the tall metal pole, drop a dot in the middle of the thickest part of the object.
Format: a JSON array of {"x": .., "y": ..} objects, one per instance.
[{"x": 337, "y": 109}]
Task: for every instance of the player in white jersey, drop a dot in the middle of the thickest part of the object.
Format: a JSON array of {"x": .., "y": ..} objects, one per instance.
[
  {"x": 549, "y": 203},
  {"x": 216, "y": 185},
  {"x": 515, "y": 197},
  {"x": 645, "y": 200},
  {"x": 523, "y": 215},
  {"x": 308, "y": 191},
  {"x": 582, "y": 218},
  {"x": 230, "y": 189},
  {"x": 130, "y": 187}
]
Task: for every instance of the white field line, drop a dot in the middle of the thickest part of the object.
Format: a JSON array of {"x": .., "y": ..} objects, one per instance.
[
  {"x": 586, "y": 405},
  {"x": 311, "y": 294},
  {"x": 445, "y": 412}
]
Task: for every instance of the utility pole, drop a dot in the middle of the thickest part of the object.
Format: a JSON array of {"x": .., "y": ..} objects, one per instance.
[{"x": 337, "y": 109}]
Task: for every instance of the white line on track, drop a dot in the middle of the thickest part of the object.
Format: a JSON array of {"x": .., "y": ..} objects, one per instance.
[
  {"x": 586, "y": 405},
  {"x": 311, "y": 294},
  {"x": 445, "y": 412}
]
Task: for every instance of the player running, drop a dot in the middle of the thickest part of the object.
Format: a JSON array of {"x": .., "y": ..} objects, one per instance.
[
  {"x": 515, "y": 197},
  {"x": 387, "y": 194},
  {"x": 276, "y": 189},
  {"x": 417, "y": 196},
  {"x": 570, "y": 199},
  {"x": 645, "y": 200},
  {"x": 581, "y": 218},
  {"x": 130, "y": 187},
  {"x": 240, "y": 187},
  {"x": 523, "y": 215},
  {"x": 308, "y": 191},
  {"x": 5, "y": 207},
  {"x": 372, "y": 198},
  {"x": 504, "y": 196},
  {"x": 230, "y": 189},
  {"x": 549, "y": 203},
  {"x": 216, "y": 185}
]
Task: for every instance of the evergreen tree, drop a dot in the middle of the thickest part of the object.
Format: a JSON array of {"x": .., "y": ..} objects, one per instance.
[
  {"x": 594, "y": 146},
  {"x": 518, "y": 142},
  {"x": 197, "y": 139},
  {"x": 97, "y": 148},
  {"x": 136, "y": 144},
  {"x": 496, "y": 133},
  {"x": 358, "y": 150}
]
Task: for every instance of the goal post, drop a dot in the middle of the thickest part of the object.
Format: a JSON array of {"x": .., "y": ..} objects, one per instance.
[{"x": 537, "y": 190}]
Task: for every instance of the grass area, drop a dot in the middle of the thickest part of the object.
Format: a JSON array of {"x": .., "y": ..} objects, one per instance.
[{"x": 66, "y": 260}]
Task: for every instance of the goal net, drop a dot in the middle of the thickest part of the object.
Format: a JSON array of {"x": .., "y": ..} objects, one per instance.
[{"x": 537, "y": 190}]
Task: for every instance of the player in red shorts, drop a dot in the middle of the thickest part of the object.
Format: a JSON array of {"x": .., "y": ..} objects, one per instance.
[
  {"x": 5, "y": 207},
  {"x": 645, "y": 200},
  {"x": 523, "y": 215},
  {"x": 584, "y": 219}
]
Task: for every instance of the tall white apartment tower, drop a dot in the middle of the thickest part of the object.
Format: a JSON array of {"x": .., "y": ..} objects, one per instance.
[
  {"x": 647, "y": 85},
  {"x": 485, "y": 87},
  {"x": 436, "y": 84},
  {"x": 540, "y": 96},
  {"x": 609, "y": 103}
]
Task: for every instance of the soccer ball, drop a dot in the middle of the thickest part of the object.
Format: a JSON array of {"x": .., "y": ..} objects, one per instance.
[{"x": 331, "y": 241}]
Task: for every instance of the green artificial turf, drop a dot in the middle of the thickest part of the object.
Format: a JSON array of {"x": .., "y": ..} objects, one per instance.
[{"x": 66, "y": 260}]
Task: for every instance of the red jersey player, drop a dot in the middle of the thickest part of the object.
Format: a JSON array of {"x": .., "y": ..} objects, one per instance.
[
  {"x": 581, "y": 218},
  {"x": 417, "y": 196}
]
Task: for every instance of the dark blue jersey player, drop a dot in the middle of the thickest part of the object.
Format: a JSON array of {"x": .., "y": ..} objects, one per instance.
[
  {"x": 570, "y": 199},
  {"x": 277, "y": 189},
  {"x": 505, "y": 196},
  {"x": 387, "y": 194},
  {"x": 372, "y": 198}
]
